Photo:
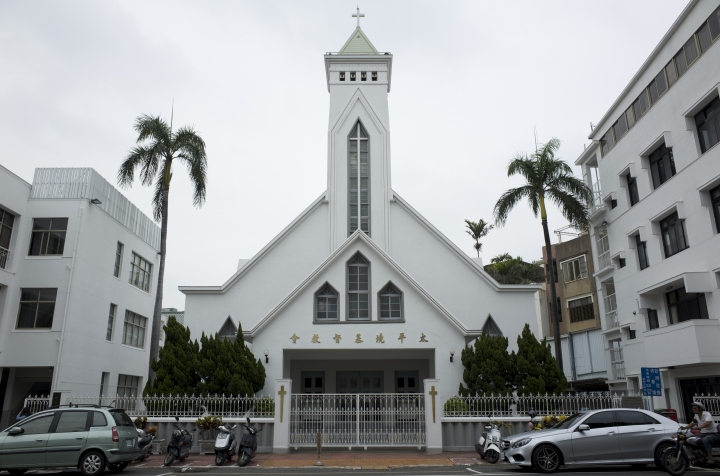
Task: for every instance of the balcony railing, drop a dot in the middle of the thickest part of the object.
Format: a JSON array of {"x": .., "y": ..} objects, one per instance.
[
  {"x": 611, "y": 314},
  {"x": 597, "y": 196},
  {"x": 618, "y": 362},
  {"x": 4, "y": 257},
  {"x": 603, "y": 248}
]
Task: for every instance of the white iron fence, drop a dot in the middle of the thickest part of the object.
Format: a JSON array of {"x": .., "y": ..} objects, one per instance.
[
  {"x": 498, "y": 406},
  {"x": 368, "y": 419},
  {"x": 37, "y": 403},
  {"x": 170, "y": 406},
  {"x": 711, "y": 402}
]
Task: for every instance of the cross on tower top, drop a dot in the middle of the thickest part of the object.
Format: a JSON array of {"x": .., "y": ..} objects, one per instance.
[{"x": 358, "y": 15}]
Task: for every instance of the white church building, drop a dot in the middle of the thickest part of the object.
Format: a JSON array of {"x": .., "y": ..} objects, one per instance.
[{"x": 360, "y": 293}]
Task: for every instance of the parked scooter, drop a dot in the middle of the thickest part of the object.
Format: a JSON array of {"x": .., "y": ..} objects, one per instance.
[
  {"x": 688, "y": 450},
  {"x": 180, "y": 444},
  {"x": 489, "y": 445},
  {"x": 144, "y": 444},
  {"x": 225, "y": 444},
  {"x": 248, "y": 445}
]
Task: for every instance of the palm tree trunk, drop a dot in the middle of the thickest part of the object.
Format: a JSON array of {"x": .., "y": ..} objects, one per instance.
[
  {"x": 554, "y": 311},
  {"x": 157, "y": 312}
]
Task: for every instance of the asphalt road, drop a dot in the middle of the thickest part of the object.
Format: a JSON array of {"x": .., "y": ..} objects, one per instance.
[{"x": 430, "y": 471}]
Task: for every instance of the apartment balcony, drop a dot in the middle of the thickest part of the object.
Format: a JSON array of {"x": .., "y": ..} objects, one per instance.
[
  {"x": 690, "y": 342},
  {"x": 4, "y": 257},
  {"x": 611, "y": 314}
]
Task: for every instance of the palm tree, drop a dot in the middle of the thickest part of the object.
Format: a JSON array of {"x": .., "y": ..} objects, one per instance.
[
  {"x": 508, "y": 270},
  {"x": 477, "y": 230},
  {"x": 156, "y": 150},
  {"x": 546, "y": 177}
]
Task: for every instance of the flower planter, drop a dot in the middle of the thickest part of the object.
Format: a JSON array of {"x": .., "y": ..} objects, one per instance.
[{"x": 207, "y": 447}]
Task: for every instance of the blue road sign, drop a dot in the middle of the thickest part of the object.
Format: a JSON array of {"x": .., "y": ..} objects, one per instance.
[{"x": 651, "y": 382}]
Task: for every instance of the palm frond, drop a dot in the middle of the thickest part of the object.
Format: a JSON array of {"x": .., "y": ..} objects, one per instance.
[
  {"x": 507, "y": 202},
  {"x": 191, "y": 149},
  {"x": 574, "y": 186},
  {"x": 149, "y": 127},
  {"x": 126, "y": 174},
  {"x": 571, "y": 208},
  {"x": 157, "y": 199}
]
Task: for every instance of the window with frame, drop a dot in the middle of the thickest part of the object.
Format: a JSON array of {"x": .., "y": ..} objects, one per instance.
[
  {"x": 358, "y": 180},
  {"x": 37, "y": 307},
  {"x": 140, "y": 272},
  {"x": 708, "y": 125},
  {"x": 653, "y": 321},
  {"x": 390, "y": 299},
  {"x": 118, "y": 259},
  {"x": 683, "y": 306},
  {"x": 127, "y": 388},
  {"x": 715, "y": 199},
  {"x": 662, "y": 165},
  {"x": 358, "y": 269},
  {"x": 7, "y": 220},
  {"x": 48, "y": 236},
  {"x": 134, "y": 330},
  {"x": 574, "y": 269},
  {"x": 326, "y": 304},
  {"x": 581, "y": 309},
  {"x": 111, "y": 322},
  {"x": 632, "y": 190},
  {"x": 641, "y": 247},
  {"x": 674, "y": 235}
]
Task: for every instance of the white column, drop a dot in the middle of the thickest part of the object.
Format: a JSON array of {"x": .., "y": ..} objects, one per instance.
[
  {"x": 433, "y": 415},
  {"x": 281, "y": 430}
]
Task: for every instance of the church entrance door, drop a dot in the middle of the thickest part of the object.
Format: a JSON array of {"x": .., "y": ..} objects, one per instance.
[{"x": 360, "y": 382}]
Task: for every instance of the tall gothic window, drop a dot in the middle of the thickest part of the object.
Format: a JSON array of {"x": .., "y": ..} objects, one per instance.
[
  {"x": 358, "y": 288},
  {"x": 358, "y": 183}
]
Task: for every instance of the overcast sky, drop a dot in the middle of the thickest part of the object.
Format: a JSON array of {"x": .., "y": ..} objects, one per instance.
[{"x": 470, "y": 82}]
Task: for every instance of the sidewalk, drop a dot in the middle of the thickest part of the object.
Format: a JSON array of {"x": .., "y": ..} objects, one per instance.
[{"x": 356, "y": 459}]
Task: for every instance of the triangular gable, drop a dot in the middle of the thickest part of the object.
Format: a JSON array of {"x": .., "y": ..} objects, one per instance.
[
  {"x": 228, "y": 330},
  {"x": 491, "y": 328},
  {"x": 359, "y": 235},
  {"x": 358, "y": 44}
]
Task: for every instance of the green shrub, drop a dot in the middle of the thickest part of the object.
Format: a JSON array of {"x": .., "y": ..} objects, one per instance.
[{"x": 456, "y": 406}]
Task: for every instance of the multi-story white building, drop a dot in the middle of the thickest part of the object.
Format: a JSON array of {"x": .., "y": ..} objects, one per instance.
[
  {"x": 654, "y": 165},
  {"x": 77, "y": 287}
]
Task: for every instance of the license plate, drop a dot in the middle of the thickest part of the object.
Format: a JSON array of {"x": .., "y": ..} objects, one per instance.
[{"x": 129, "y": 442}]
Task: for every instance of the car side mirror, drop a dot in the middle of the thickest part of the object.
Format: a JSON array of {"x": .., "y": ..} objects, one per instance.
[
  {"x": 583, "y": 428},
  {"x": 18, "y": 430}
]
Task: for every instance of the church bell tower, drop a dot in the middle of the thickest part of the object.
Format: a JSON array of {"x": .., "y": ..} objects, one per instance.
[{"x": 358, "y": 78}]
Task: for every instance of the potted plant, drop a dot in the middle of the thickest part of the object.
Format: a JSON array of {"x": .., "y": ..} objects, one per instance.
[
  {"x": 207, "y": 426},
  {"x": 141, "y": 422}
]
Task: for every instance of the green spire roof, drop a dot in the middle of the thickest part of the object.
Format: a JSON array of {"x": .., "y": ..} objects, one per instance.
[{"x": 358, "y": 44}]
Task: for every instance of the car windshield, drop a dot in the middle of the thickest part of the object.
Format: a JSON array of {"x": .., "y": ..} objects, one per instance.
[
  {"x": 568, "y": 422},
  {"x": 121, "y": 418}
]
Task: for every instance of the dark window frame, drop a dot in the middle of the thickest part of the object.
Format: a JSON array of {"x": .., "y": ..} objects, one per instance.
[
  {"x": 354, "y": 295},
  {"x": 582, "y": 311},
  {"x": 641, "y": 248},
  {"x": 715, "y": 203},
  {"x": 653, "y": 320},
  {"x": 632, "y": 190},
  {"x": 26, "y": 303},
  {"x": 682, "y": 304},
  {"x": 56, "y": 228},
  {"x": 386, "y": 296},
  {"x": 661, "y": 159},
  {"x": 707, "y": 123},
  {"x": 673, "y": 234}
]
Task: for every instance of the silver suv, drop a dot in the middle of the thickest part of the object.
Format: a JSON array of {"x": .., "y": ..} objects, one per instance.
[{"x": 87, "y": 437}]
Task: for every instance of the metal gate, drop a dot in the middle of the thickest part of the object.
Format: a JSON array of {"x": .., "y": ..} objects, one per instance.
[{"x": 365, "y": 419}]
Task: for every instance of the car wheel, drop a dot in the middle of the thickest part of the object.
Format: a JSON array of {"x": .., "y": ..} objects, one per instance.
[
  {"x": 117, "y": 467},
  {"x": 17, "y": 472},
  {"x": 92, "y": 463},
  {"x": 659, "y": 464},
  {"x": 546, "y": 459}
]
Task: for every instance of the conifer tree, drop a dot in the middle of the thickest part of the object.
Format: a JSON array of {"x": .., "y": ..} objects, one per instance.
[
  {"x": 488, "y": 366},
  {"x": 536, "y": 368},
  {"x": 176, "y": 371},
  {"x": 229, "y": 367}
]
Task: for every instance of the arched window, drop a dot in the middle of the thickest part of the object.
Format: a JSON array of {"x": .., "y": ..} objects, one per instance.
[
  {"x": 326, "y": 304},
  {"x": 228, "y": 331},
  {"x": 358, "y": 183},
  {"x": 491, "y": 328},
  {"x": 358, "y": 288},
  {"x": 391, "y": 304}
]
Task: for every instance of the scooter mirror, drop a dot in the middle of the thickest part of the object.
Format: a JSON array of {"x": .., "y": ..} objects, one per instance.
[
  {"x": 248, "y": 420},
  {"x": 177, "y": 418},
  {"x": 488, "y": 427}
]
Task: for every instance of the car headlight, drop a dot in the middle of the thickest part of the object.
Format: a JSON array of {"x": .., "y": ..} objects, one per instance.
[{"x": 522, "y": 442}]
